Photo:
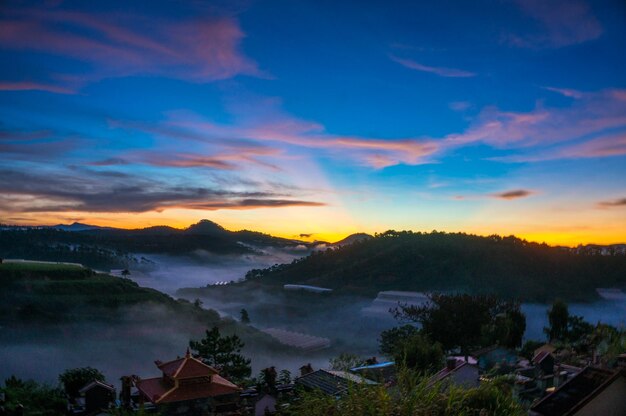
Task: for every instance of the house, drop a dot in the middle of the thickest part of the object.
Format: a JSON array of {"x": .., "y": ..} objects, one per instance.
[
  {"x": 96, "y": 396},
  {"x": 332, "y": 383},
  {"x": 489, "y": 357},
  {"x": 458, "y": 372},
  {"x": 593, "y": 391},
  {"x": 188, "y": 386}
]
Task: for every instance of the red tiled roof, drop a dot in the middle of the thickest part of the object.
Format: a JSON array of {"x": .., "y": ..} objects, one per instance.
[
  {"x": 186, "y": 367},
  {"x": 157, "y": 391},
  {"x": 152, "y": 388}
]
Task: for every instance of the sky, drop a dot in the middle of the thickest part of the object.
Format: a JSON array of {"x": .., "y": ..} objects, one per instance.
[{"x": 317, "y": 119}]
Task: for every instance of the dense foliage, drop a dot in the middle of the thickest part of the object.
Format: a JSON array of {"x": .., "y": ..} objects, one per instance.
[
  {"x": 35, "y": 399},
  {"x": 411, "y": 348},
  {"x": 413, "y": 395},
  {"x": 437, "y": 261},
  {"x": 223, "y": 353},
  {"x": 76, "y": 378},
  {"x": 467, "y": 321}
]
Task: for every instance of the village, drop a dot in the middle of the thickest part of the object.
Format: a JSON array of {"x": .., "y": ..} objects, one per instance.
[{"x": 562, "y": 376}]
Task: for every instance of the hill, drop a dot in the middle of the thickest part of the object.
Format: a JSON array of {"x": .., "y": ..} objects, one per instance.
[
  {"x": 507, "y": 266},
  {"x": 109, "y": 248}
]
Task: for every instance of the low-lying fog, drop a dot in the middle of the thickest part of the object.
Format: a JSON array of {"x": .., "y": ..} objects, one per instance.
[{"x": 132, "y": 347}]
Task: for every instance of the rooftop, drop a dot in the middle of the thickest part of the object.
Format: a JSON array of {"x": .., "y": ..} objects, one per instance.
[{"x": 576, "y": 392}]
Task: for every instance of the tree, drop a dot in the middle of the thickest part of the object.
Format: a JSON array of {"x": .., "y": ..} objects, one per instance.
[
  {"x": 507, "y": 329},
  {"x": 223, "y": 353},
  {"x": 558, "y": 317},
  {"x": 75, "y": 379},
  {"x": 456, "y": 321},
  {"x": 125, "y": 272},
  {"x": 391, "y": 340},
  {"x": 345, "y": 361},
  {"x": 245, "y": 318},
  {"x": 284, "y": 377},
  {"x": 33, "y": 398}
]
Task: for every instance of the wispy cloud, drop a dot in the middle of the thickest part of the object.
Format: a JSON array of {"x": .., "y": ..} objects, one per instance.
[
  {"x": 513, "y": 194},
  {"x": 441, "y": 71},
  {"x": 115, "y": 192},
  {"x": 197, "y": 48},
  {"x": 34, "y": 86},
  {"x": 563, "y": 23},
  {"x": 587, "y": 120},
  {"x": 621, "y": 202}
]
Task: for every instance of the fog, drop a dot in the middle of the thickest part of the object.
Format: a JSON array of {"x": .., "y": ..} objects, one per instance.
[{"x": 145, "y": 334}]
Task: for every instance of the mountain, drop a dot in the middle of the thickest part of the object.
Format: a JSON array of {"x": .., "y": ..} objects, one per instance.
[
  {"x": 507, "y": 266},
  {"x": 206, "y": 227},
  {"x": 353, "y": 238},
  {"x": 77, "y": 226},
  {"x": 108, "y": 248}
]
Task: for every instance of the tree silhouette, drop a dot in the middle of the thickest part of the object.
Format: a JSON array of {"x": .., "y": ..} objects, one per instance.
[{"x": 223, "y": 353}]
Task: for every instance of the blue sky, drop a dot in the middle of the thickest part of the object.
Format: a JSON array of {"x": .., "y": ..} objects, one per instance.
[{"x": 317, "y": 117}]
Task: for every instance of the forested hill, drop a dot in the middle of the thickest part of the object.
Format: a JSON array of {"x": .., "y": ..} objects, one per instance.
[
  {"x": 507, "y": 266},
  {"x": 107, "y": 248}
]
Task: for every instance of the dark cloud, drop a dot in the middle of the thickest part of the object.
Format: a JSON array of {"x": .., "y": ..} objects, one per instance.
[
  {"x": 514, "y": 194},
  {"x": 614, "y": 203},
  {"x": 305, "y": 235},
  {"x": 84, "y": 190}
]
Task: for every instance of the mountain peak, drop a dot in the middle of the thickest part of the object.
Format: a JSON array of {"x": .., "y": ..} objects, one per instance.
[{"x": 206, "y": 227}]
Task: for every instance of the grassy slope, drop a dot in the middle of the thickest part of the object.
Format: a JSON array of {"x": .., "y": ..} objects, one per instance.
[{"x": 35, "y": 294}]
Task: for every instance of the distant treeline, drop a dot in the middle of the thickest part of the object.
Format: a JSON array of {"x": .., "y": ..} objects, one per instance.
[
  {"x": 104, "y": 248},
  {"x": 507, "y": 266}
]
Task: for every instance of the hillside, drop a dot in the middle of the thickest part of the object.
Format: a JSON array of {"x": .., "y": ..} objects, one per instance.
[
  {"x": 109, "y": 248},
  {"x": 507, "y": 266}
]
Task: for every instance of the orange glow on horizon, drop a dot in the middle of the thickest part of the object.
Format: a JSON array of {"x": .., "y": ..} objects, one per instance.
[{"x": 321, "y": 230}]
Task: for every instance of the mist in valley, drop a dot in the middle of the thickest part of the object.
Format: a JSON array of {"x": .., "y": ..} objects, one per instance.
[{"x": 146, "y": 333}]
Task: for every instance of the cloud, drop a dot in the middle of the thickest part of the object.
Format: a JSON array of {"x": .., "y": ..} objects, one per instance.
[
  {"x": 34, "y": 86},
  {"x": 197, "y": 48},
  {"x": 614, "y": 203},
  {"x": 566, "y": 92},
  {"x": 514, "y": 194},
  {"x": 255, "y": 137},
  {"x": 306, "y": 235},
  {"x": 85, "y": 190},
  {"x": 563, "y": 23},
  {"x": 442, "y": 72},
  {"x": 587, "y": 119}
]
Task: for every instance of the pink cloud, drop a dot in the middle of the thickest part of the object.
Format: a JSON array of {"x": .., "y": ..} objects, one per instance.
[
  {"x": 563, "y": 22},
  {"x": 34, "y": 86},
  {"x": 591, "y": 115},
  {"x": 199, "y": 49},
  {"x": 566, "y": 92},
  {"x": 442, "y": 72}
]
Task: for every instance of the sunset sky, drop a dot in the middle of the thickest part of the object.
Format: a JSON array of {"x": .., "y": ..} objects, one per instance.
[{"x": 317, "y": 118}]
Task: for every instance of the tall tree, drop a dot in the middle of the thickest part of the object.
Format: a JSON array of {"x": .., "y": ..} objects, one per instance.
[
  {"x": 457, "y": 321},
  {"x": 223, "y": 353},
  {"x": 245, "y": 318},
  {"x": 558, "y": 317},
  {"x": 76, "y": 378}
]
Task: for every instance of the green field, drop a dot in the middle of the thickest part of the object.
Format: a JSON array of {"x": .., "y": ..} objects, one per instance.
[{"x": 34, "y": 266}]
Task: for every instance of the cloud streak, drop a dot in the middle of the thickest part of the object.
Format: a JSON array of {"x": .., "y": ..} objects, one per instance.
[
  {"x": 441, "y": 71},
  {"x": 106, "y": 191},
  {"x": 612, "y": 204},
  {"x": 513, "y": 194},
  {"x": 199, "y": 48}
]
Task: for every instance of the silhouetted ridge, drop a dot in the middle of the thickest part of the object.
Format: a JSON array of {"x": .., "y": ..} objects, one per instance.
[{"x": 507, "y": 266}]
